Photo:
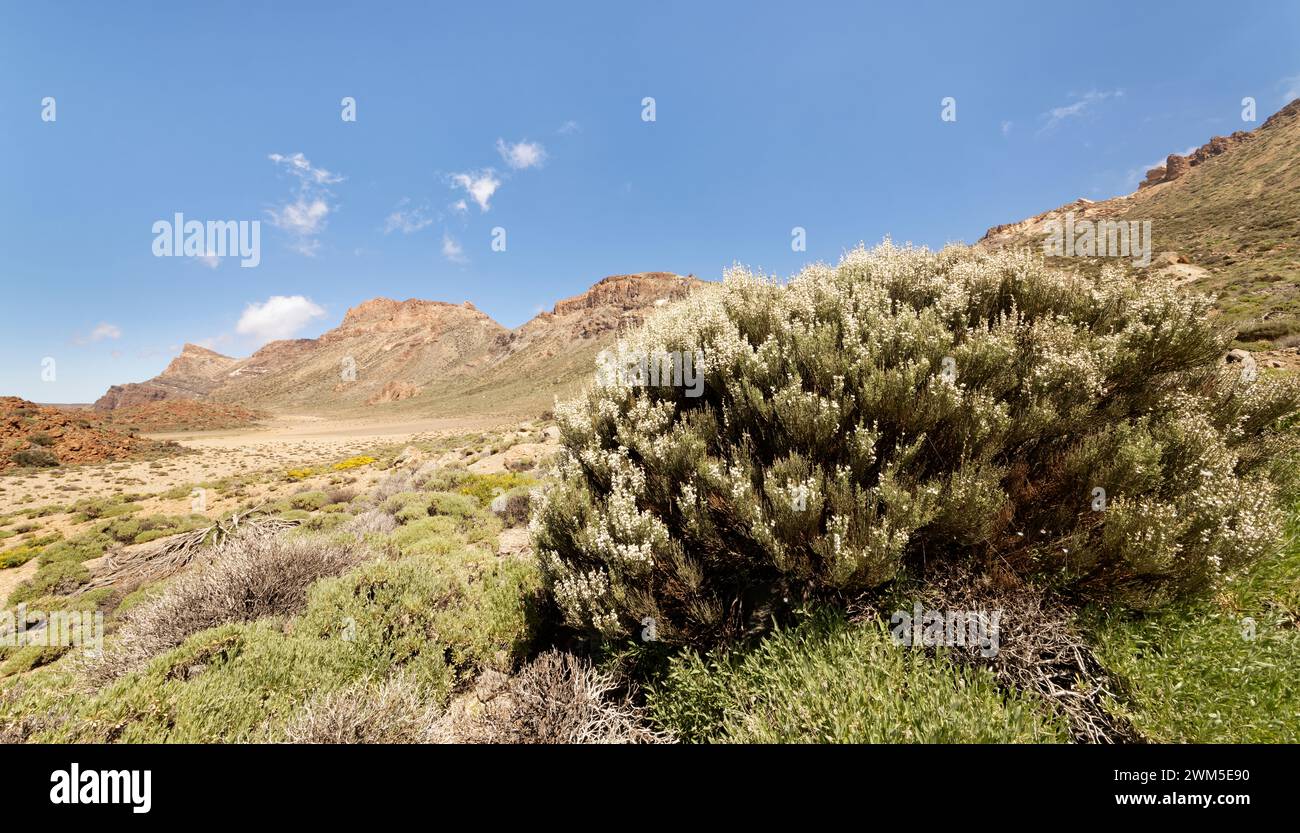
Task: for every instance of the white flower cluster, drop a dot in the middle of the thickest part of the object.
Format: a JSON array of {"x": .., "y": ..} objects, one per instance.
[{"x": 909, "y": 399}]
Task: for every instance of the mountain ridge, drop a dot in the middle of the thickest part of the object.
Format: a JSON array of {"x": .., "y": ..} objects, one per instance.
[
  {"x": 387, "y": 351},
  {"x": 1225, "y": 220}
]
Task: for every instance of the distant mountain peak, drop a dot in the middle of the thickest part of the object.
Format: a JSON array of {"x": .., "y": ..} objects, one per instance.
[{"x": 387, "y": 351}]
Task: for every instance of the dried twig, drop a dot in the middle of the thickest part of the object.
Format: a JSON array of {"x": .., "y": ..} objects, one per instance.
[{"x": 169, "y": 555}]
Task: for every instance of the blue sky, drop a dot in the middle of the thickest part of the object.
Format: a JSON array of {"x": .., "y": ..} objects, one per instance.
[{"x": 767, "y": 117}]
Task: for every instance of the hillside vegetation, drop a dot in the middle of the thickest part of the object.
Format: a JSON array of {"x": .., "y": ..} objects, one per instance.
[
  {"x": 954, "y": 431},
  {"x": 1229, "y": 226}
]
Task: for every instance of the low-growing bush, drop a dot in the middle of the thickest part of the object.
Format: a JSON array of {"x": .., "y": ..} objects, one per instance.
[
  {"x": 352, "y": 463},
  {"x": 252, "y": 577},
  {"x": 394, "y": 711},
  {"x": 34, "y": 457},
  {"x": 437, "y": 620},
  {"x": 513, "y": 507},
  {"x": 906, "y": 405},
  {"x": 485, "y": 487},
  {"x": 56, "y": 578},
  {"x": 556, "y": 698}
]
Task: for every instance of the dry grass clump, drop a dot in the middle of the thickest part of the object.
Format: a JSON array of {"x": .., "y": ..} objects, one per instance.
[
  {"x": 392, "y": 712},
  {"x": 557, "y": 698},
  {"x": 250, "y": 577},
  {"x": 1041, "y": 650},
  {"x": 372, "y": 521}
]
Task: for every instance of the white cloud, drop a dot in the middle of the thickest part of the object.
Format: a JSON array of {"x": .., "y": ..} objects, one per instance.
[
  {"x": 1056, "y": 115},
  {"x": 1006, "y": 128},
  {"x": 407, "y": 218},
  {"x": 1291, "y": 88},
  {"x": 209, "y": 260},
  {"x": 480, "y": 185},
  {"x": 569, "y": 127},
  {"x": 304, "y": 218},
  {"x": 301, "y": 167},
  {"x": 105, "y": 330},
  {"x": 280, "y": 316},
  {"x": 522, "y": 155},
  {"x": 452, "y": 250},
  {"x": 460, "y": 206}
]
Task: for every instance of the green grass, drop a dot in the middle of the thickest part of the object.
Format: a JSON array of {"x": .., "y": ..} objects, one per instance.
[
  {"x": 828, "y": 681},
  {"x": 1196, "y": 677}
]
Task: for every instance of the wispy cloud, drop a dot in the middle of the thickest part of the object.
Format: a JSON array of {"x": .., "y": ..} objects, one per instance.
[
  {"x": 1290, "y": 88},
  {"x": 304, "y": 218},
  {"x": 407, "y": 218},
  {"x": 1006, "y": 128},
  {"x": 301, "y": 167},
  {"x": 209, "y": 260},
  {"x": 1055, "y": 116},
  {"x": 452, "y": 250},
  {"x": 479, "y": 185},
  {"x": 569, "y": 128},
  {"x": 280, "y": 316},
  {"x": 521, "y": 155},
  {"x": 102, "y": 331}
]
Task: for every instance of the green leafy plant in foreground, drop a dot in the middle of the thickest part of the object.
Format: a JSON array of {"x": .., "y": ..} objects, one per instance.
[
  {"x": 828, "y": 681},
  {"x": 964, "y": 405}
]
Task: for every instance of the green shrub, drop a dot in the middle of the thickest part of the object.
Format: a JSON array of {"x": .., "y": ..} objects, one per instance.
[
  {"x": 485, "y": 487},
  {"x": 830, "y": 682},
  {"x": 34, "y": 457},
  {"x": 308, "y": 500},
  {"x": 436, "y": 620},
  {"x": 18, "y": 556},
  {"x": 960, "y": 404},
  {"x": 56, "y": 578}
]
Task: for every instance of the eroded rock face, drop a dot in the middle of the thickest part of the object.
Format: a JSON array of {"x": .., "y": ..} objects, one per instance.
[
  {"x": 1176, "y": 165},
  {"x": 395, "y": 392}
]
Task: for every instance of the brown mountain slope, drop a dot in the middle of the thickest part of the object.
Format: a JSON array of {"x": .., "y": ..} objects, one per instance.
[
  {"x": 555, "y": 353},
  {"x": 425, "y": 356},
  {"x": 192, "y": 374},
  {"x": 379, "y": 342},
  {"x": 1225, "y": 220}
]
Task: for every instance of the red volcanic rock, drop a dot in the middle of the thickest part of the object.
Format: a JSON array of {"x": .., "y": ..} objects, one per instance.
[{"x": 31, "y": 432}]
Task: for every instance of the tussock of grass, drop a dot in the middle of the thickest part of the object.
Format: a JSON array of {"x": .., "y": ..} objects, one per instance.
[
  {"x": 252, "y": 577},
  {"x": 827, "y": 681}
]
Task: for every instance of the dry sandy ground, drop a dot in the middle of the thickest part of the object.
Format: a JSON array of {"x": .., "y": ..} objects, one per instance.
[{"x": 287, "y": 441}]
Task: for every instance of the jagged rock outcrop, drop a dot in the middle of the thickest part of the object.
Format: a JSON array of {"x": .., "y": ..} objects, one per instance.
[
  {"x": 388, "y": 351},
  {"x": 1176, "y": 165}
]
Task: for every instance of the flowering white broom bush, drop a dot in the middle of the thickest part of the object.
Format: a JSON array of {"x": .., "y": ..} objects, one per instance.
[{"x": 901, "y": 409}]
